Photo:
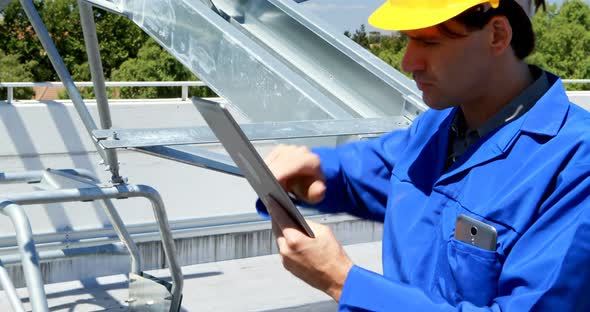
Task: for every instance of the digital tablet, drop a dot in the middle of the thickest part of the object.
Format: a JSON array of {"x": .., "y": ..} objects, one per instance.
[{"x": 243, "y": 153}]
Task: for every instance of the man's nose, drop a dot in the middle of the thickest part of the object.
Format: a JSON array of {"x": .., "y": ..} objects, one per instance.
[{"x": 413, "y": 59}]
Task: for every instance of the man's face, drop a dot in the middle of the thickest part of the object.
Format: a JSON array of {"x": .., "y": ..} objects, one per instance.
[{"x": 449, "y": 71}]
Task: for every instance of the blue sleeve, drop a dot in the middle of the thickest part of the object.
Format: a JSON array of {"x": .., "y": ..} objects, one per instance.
[
  {"x": 357, "y": 174},
  {"x": 547, "y": 270}
]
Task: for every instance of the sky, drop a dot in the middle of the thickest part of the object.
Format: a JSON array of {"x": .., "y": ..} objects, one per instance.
[
  {"x": 350, "y": 14},
  {"x": 344, "y": 14}
]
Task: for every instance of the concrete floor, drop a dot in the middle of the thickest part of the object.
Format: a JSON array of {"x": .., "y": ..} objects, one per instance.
[{"x": 250, "y": 284}]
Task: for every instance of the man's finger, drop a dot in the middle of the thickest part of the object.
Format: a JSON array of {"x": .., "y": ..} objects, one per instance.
[
  {"x": 311, "y": 189},
  {"x": 274, "y": 154},
  {"x": 292, "y": 161}
]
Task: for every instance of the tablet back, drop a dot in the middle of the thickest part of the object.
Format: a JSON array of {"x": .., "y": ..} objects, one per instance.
[{"x": 248, "y": 160}]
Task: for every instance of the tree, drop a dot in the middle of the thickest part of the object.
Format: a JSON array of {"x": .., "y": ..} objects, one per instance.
[
  {"x": 391, "y": 49},
  {"x": 563, "y": 41},
  {"x": 119, "y": 38},
  {"x": 359, "y": 36},
  {"x": 153, "y": 63},
  {"x": 11, "y": 70}
]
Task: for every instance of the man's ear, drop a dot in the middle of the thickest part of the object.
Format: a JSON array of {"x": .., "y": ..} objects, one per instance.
[{"x": 500, "y": 35}]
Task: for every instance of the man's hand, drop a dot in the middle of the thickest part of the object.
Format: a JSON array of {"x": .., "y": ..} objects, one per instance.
[
  {"x": 320, "y": 262},
  {"x": 298, "y": 170}
]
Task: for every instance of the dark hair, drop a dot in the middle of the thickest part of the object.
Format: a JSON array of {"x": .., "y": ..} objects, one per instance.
[{"x": 523, "y": 37}]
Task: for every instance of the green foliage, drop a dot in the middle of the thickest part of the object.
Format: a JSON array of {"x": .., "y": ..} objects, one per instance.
[
  {"x": 119, "y": 38},
  {"x": 563, "y": 41},
  {"x": 359, "y": 36},
  {"x": 11, "y": 70},
  {"x": 153, "y": 63},
  {"x": 391, "y": 49},
  {"x": 120, "y": 42}
]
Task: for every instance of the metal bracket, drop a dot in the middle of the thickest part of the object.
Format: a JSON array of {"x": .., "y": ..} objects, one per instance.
[{"x": 149, "y": 294}]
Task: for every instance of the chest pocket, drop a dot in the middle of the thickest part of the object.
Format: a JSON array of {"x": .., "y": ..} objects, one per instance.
[{"x": 475, "y": 272}]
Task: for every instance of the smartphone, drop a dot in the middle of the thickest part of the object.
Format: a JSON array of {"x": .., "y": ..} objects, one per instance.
[{"x": 475, "y": 232}]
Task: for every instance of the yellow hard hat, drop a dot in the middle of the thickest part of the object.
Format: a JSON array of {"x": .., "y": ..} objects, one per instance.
[{"x": 416, "y": 14}]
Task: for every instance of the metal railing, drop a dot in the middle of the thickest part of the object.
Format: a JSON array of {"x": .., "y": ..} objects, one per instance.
[
  {"x": 183, "y": 84},
  {"x": 109, "y": 84},
  {"x": 568, "y": 81}
]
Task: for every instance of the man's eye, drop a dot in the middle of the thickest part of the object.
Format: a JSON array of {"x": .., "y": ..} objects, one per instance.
[{"x": 430, "y": 42}]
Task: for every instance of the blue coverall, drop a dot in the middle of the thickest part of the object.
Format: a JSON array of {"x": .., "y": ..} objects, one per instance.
[{"x": 530, "y": 179}]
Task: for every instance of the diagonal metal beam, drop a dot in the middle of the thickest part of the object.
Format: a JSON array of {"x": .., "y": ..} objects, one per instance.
[{"x": 194, "y": 156}]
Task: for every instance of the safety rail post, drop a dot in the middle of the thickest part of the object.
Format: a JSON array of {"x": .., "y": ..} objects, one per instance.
[
  {"x": 28, "y": 252},
  {"x": 184, "y": 92},
  {"x": 10, "y": 290},
  {"x": 10, "y": 96},
  {"x": 167, "y": 241}
]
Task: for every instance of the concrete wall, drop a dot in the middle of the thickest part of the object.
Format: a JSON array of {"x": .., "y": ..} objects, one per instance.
[{"x": 581, "y": 98}]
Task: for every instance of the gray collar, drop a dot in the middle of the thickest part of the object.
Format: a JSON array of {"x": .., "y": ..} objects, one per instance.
[
  {"x": 514, "y": 109},
  {"x": 461, "y": 138}
]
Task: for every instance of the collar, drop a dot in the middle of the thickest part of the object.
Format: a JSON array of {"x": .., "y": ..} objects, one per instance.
[
  {"x": 517, "y": 107},
  {"x": 520, "y": 104},
  {"x": 548, "y": 115}
]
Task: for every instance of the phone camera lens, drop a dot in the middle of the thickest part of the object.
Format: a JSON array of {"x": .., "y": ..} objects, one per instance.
[{"x": 473, "y": 230}]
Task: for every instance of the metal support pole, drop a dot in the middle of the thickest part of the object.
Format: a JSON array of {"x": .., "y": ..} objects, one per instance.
[
  {"x": 184, "y": 93},
  {"x": 100, "y": 90},
  {"x": 123, "y": 235},
  {"x": 28, "y": 252},
  {"x": 61, "y": 70},
  {"x": 10, "y": 96},
  {"x": 9, "y": 290}
]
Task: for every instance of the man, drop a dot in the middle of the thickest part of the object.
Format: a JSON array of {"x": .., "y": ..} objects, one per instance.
[{"x": 502, "y": 144}]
